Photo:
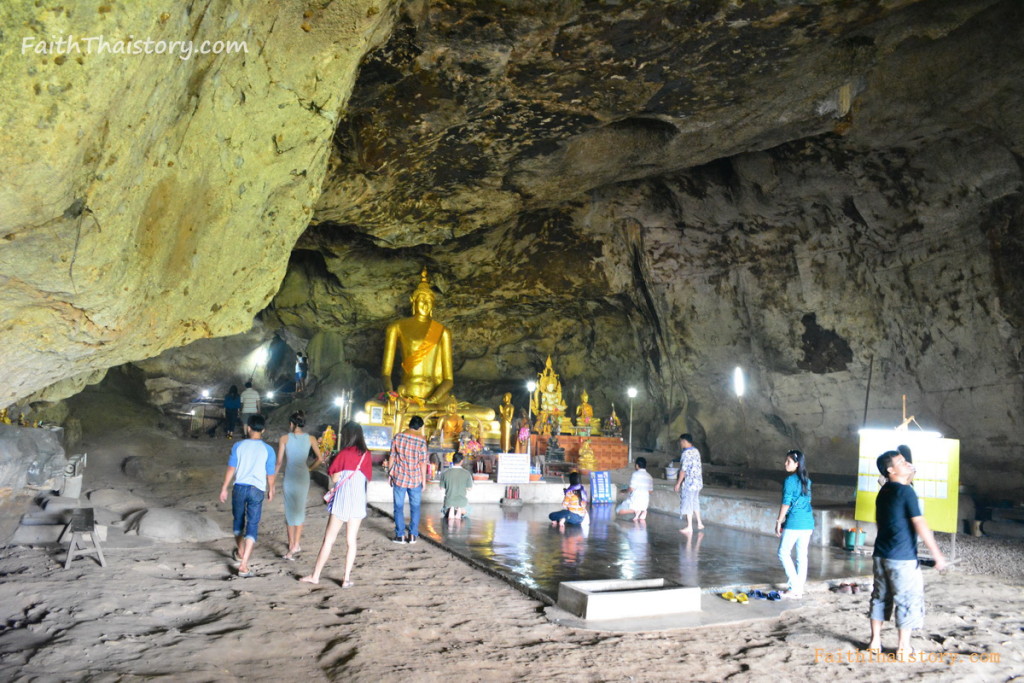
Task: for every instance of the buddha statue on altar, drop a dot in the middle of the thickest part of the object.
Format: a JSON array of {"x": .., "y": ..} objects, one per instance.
[
  {"x": 426, "y": 361},
  {"x": 613, "y": 426},
  {"x": 586, "y": 460},
  {"x": 585, "y": 421},
  {"x": 450, "y": 425},
  {"x": 547, "y": 402}
]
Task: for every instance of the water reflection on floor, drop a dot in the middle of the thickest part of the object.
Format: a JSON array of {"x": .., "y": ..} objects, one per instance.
[{"x": 521, "y": 545}]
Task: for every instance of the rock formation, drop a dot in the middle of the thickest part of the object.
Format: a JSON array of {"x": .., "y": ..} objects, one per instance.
[{"x": 147, "y": 200}]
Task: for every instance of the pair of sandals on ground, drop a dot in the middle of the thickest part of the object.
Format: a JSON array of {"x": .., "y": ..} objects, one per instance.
[{"x": 744, "y": 597}]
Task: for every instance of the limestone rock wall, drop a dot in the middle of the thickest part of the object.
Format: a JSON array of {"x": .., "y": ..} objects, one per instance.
[
  {"x": 148, "y": 200},
  {"x": 808, "y": 265}
]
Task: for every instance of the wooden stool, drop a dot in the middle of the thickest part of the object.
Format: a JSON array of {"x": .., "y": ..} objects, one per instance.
[{"x": 83, "y": 524}]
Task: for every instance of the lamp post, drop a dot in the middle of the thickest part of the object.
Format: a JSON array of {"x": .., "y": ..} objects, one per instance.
[
  {"x": 631, "y": 392},
  {"x": 340, "y": 402},
  {"x": 531, "y": 386}
]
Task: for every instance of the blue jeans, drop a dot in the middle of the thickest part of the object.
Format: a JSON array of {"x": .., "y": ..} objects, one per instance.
[
  {"x": 899, "y": 584},
  {"x": 398, "y": 494},
  {"x": 797, "y": 575},
  {"x": 247, "y": 508},
  {"x": 569, "y": 517}
]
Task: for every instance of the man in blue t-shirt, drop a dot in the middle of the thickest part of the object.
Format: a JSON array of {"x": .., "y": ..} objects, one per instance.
[
  {"x": 898, "y": 580},
  {"x": 252, "y": 465}
]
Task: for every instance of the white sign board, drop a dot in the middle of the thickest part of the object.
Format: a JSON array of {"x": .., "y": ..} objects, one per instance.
[{"x": 514, "y": 468}]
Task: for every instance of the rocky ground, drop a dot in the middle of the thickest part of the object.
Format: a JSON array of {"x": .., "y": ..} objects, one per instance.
[{"x": 176, "y": 610}]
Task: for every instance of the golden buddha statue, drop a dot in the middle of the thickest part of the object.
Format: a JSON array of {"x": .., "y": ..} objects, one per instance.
[
  {"x": 4, "y": 417},
  {"x": 586, "y": 459},
  {"x": 585, "y": 422},
  {"x": 547, "y": 402},
  {"x": 450, "y": 425},
  {"x": 426, "y": 352},
  {"x": 506, "y": 411}
]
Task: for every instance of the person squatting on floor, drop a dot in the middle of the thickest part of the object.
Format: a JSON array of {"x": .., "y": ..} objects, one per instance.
[
  {"x": 407, "y": 475},
  {"x": 689, "y": 483},
  {"x": 350, "y": 471},
  {"x": 795, "y": 522},
  {"x": 899, "y": 583},
  {"x": 574, "y": 504},
  {"x": 251, "y": 465}
]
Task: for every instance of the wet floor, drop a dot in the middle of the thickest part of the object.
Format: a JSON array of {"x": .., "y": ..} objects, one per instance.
[{"x": 522, "y": 546}]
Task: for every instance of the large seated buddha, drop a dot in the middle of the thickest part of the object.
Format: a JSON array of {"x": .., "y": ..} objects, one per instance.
[{"x": 425, "y": 346}]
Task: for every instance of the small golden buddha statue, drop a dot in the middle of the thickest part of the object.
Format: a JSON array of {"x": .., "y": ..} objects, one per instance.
[
  {"x": 547, "y": 402},
  {"x": 4, "y": 417},
  {"x": 426, "y": 352},
  {"x": 586, "y": 460},
  {"x": 585, "y": 421},
  {"x": 450, "y": 424},
  {"x": 506, "y": 411}
]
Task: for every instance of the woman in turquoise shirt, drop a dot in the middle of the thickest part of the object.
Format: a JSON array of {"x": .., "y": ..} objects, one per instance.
[{"x": 795, "y": 523}]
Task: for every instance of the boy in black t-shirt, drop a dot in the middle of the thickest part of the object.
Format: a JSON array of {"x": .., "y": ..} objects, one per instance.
[{"x": 898, "y": 580}]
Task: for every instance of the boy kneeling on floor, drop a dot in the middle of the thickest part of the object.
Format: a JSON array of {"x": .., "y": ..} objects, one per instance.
[{"x": 456, "y": 481}]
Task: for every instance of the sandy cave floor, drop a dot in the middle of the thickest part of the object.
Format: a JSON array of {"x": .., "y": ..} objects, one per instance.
[{"x": 176, "y": 610}]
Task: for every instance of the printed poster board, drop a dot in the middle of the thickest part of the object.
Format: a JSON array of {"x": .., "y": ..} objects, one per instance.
[
  {"x": 378, "y": 437},
  {"x": 937, "y": 481},
  {"x": 601, "y": 487},
  {"x": 513, "y": 468}
]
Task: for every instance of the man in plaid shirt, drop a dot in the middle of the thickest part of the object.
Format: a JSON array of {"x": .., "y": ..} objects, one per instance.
[{"x": 408, "y": 474}]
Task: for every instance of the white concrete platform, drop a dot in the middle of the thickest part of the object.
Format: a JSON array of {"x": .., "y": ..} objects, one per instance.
[
  {"x": 714, "y": 612},
  {"x": 627, "y": 599}
]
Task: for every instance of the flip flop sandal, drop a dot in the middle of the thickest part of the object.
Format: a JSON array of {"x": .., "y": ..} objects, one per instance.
[
  {"x": 759, "y": 595},
  {"x": 743, "y": 599},
  {"x": 245, "y": 575},
  {"x": 730, "y": 596},
  {"x": 774, "y": 595}
]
